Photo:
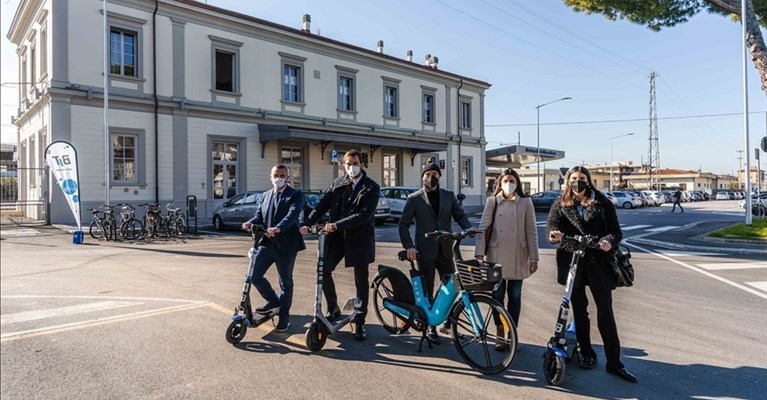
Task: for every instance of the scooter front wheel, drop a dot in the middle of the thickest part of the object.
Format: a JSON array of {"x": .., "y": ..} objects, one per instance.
[
  {"x": 553, "y": 367},
  {"x": 236, "y": 331},
  {"x": 316, "y": 336}
]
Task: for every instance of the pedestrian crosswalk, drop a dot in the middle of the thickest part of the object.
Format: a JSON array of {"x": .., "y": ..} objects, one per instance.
[{"x": 735, "y": 266}]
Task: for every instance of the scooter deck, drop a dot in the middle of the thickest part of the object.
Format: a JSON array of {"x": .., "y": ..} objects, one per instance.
[{"x": 259, "y": 319}]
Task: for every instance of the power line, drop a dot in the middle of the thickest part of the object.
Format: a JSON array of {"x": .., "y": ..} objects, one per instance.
[
  {"x": 536, "y": 46},
  {"x": 609, "y": 121}
]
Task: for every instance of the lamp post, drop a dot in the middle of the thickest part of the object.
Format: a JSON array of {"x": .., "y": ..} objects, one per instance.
[
  {"x": 611, "y": 156},
  {"x": 538, "y": 145}
]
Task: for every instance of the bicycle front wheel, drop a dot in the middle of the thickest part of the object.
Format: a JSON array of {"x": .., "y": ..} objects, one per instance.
[
  {"x": 96, "y": 231},
  {"x": 132, "y": 229},
  {"x": 484, "y": 349}
]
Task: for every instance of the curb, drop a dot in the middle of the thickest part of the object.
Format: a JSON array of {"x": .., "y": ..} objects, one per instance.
[
  {"x": 685, "y": 247},
  {"x": 725, "y": 240}
]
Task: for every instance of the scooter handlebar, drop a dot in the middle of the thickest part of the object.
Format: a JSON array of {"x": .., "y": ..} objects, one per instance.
[
  {"x": 451, "y": 235},
  {"x": 588, "y": 241}
]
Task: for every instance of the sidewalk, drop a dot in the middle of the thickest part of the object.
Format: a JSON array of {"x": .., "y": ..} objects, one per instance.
[{"x": 694, "y": 237}]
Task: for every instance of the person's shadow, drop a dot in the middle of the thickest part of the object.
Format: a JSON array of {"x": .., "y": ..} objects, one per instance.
[{"x": 657, "y": 380}]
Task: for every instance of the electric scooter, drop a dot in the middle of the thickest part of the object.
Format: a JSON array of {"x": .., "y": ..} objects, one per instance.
[
  {"x": 244, "y": 317},
  {"x": 563, "y": 346},
  {"x": 321, "y": 327}
]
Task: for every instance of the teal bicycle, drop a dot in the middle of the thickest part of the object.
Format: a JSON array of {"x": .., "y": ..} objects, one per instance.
[{"x": 401, "y": 304}]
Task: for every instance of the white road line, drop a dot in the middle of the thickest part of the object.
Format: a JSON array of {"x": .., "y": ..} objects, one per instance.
[
  {"x": 42, "y": 296},
  {"x": 631, "y": 228},
  {"x": 759, "y": 285},
  {"x": 728, "y": 266},
  {"x": 663, "y": 228},
  {"x": 62, "y": 311},
  {"x": 687, "y": 254},
  {"x": 696, "y": 269}
]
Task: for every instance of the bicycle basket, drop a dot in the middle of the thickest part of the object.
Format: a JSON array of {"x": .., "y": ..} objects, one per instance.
[{"x": 478, "y": 277}]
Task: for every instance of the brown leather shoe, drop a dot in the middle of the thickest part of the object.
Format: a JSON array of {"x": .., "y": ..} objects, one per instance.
[{"x": 500, "y": 342}]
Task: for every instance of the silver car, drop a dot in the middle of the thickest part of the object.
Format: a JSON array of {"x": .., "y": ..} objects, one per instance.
[
  {"x": 237, "y": 210},
  {"x": 397, "y": 195}
]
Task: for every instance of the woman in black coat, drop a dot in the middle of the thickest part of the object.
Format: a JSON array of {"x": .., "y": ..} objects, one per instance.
[{"x": 583, "y": 210}]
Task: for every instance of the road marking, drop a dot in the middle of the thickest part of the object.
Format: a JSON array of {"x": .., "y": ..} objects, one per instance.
[
  {"x": 687, "y": 254},
  {"x": 704, "y": 272},
  {"x": 96, "y": 322},
  {"x": 759, "y": 285},
  {"x": 40, "y": 296},
  {"x": 728, "y": 266},
  {"x": 631, "y": 228},
  {"x": 663, "y": 228},
  {"x": 62, "y": 311}
]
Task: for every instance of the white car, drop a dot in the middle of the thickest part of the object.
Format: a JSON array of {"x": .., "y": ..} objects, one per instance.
[
  {"x": 657, "y": 197},
  {"x": 754, "y": 200},
  {"x": 722, "y": 196},
  {"x": 397, "y": 196},
  {"x": 626, "y": 200}
]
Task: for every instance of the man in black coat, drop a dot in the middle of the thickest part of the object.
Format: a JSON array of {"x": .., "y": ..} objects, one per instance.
[
  {"x": 278, "y": 212},
  {"x": 433, "y": 208},
  {"x": 352, "y": 200}
]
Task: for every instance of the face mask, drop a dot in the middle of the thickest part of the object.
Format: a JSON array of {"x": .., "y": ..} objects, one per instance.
[
  {"x": 353, "y": 170},
  {"x": 278, "y": 182},
  {"x": 509, "y": 188},
  {"x": 579, "y": 186},
  {"x": 430, "y": 181}
]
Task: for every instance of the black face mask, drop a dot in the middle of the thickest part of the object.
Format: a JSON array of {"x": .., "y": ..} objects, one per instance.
[
  {"x": 579, "y": 186},
  {"x": 430, "y": 182}
]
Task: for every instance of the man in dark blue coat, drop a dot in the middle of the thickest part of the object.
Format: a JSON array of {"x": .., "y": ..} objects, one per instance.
[
  {"x": 352, "y": 200},
  {"x": 278, "y": 212}
]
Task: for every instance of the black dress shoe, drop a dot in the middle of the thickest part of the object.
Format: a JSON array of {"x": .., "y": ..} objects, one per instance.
[
  {"x": 359, "y": 333},
  {"x": 623, "y": 373},
  {"x": 268, "y": 307},
  {"x": 333, "y": 314},
  {"x": 587, "y": 362},
  {"x": 433, "y": 336}
]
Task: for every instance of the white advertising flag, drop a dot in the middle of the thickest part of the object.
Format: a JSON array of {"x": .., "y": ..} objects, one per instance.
[{"x": 61, "y": 158}]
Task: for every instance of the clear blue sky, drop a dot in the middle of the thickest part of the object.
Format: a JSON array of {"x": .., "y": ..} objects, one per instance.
[{"x": 603, "y": 65}]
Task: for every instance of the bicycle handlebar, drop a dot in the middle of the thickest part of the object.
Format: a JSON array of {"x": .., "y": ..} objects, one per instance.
[
  {"x": 588, "y": 241},
  {"x": 451, "y": 235}
]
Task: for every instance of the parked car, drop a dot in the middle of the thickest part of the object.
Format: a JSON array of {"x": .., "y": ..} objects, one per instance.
[
  {"x": 383, "y": 210},
  {"x": 397, "y": 195},
  {"x": 641, "y": 198},
  {"x": 542, "y": 201},
  {"x": 667, "y": 195},
  {"x": 650, "y": 199},
  {"x": 722, "y": 196},
  {"x": 236, "y": 210},
  {"x": 612, "y": 199},
  {"x": 627, "y": 200},
  {"x": 732, "y": 195},
  {"x": 311, "y": 199},
  {"x": 761, "y": 199},
  {"x": 739, "y": 195}
]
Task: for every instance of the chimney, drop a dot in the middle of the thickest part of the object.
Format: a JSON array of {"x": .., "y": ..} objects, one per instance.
[
  {"x": 427, "y": 60},
  {"x": 410, "y": 55},
  {"x": 307, "y": 21},
  {"x": 380, "y": 46},
  {"x": 435, "y": 62}
]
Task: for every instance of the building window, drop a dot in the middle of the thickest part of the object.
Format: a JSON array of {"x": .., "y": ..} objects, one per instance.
[
  {"x": 32, "y": 162},
  {"x": 526, "y": 187},
  {"x": 390, "y": 102},
  {"x": 43, "y": 51},
  {"x": 122, "y": 52},
  {"x": 345, "y": 93},
  {"x": 124, "y": 159},
  {"x": 225, "y": 170},
  {"x": 291, "y": 83},
  {"x": 225, "y": 71},
  {"x": 466, "y": 171},
  {"x": 465, "y": 115},
  {"x": 428, "y": 108},
  {"x": 390, "y": 171},
  {"x": 292, "y": 157},
  {"x": 32, "y": 66}
]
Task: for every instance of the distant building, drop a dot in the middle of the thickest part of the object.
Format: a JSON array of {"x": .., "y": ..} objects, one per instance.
[{"x": 753, "y": 176}]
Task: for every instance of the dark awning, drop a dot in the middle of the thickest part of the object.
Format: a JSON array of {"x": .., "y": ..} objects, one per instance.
[
  {"x": 516, "y": 155},
  {"x": 413, "y": 143}
]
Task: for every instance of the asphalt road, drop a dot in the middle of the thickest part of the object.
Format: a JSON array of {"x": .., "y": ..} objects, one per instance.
[{"x": 137, "y": 320}]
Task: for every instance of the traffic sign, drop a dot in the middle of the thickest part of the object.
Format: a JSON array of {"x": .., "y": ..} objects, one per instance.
[
  {"x": 764, "y": 144},
  {"x": 334, "y": 156},
  {"x": 441, "y": 164},
  {"x": 564, "y": 170},
  {"x": 561, "y": 181}
]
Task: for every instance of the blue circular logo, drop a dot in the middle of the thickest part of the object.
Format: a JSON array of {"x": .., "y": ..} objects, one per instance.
[
  {"x": 75, "y": 198},
  {"x": 69, "y": 186}
]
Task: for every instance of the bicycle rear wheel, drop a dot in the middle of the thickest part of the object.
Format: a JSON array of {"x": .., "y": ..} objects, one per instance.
[
  {"x": 479, "y": 350},
  {"x": 132, "y": 229}
]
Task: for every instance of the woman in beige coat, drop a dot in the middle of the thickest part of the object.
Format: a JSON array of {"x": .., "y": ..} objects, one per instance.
[{"x": 508, "y": 236}]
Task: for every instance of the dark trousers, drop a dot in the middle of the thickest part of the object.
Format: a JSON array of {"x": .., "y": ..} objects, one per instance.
[
  {"x": 442, "y": 265},
  {"x": 605, "y": 322},
  {"x": 676, "y": 203},
  {"x": 514, "y": 300},
  {"x": 266, "y": 255},
  {"x": 361, "y": 282}
]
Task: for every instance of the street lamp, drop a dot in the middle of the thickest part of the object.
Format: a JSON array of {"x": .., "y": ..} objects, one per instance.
[
  {"x": 611, "y": 156},
  {"x": 538, "y": 124}
]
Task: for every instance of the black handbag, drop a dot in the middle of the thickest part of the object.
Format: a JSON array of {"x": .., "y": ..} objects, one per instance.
[{"x": 622, "y": 268}]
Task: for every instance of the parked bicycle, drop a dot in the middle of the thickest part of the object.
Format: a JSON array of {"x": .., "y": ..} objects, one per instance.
[
  {"x": 401, "y": 304},
  {"x": 151, "y": 219},
  {"x": 103, "y": 227},
  {"x": 130, "y": 227},
  {"x": 172, "y": 224}
]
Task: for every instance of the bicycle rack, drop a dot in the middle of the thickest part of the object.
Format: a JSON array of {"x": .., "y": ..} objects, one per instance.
[{"x": 191, "y": 211}]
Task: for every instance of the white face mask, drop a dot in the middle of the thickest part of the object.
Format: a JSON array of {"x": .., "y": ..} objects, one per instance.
[
  {"x": 279, "y": 183},
  {"x": 509, "y": 188},
  {"x": 353, "y": 170}
]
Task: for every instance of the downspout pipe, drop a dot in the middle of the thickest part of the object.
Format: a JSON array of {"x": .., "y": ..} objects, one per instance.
[
  {"x": 156, "y": 105},
  {"x": 460, "y": 138}
]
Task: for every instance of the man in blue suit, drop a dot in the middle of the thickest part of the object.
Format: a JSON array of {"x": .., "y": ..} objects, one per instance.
[{"x": 278, "y": 213}]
